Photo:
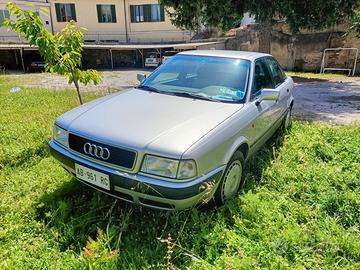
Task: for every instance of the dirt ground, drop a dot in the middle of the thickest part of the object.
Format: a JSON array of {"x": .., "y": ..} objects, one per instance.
[
  {"x": 112, "y": 80},
  {"x": 335, "y": 101}
]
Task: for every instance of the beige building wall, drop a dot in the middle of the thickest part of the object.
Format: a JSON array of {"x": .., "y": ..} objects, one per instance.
[
  {"x": 144, "y": 32},
  {"x": 154, "y": 31},
  {"x": 9, "y": 36},
  {"x": 86, "y": 15}
]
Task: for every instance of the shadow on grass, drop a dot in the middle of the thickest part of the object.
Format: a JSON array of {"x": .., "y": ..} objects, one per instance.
[
  {"x": 74, "y": 212},
  {"x": 27, "y": 157}
]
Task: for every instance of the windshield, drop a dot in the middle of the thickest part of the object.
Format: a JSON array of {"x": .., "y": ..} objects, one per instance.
[{"x": 213, "y": 78}]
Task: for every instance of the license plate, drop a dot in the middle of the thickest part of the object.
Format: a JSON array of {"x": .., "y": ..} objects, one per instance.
[{"x": 93, "y": 177}]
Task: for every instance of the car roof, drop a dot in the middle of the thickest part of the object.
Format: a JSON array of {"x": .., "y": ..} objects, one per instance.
[{"x": 227, "y": 53}]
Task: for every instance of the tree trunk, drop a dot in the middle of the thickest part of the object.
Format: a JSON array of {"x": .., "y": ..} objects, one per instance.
[{"x": 76, "y": 82}]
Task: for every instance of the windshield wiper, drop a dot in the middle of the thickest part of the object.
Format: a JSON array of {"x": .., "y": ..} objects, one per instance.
[
  {"x": 180, "y": 94},
  {"x": 149, "y": 88},
  {"x": 193, "y": 95}
]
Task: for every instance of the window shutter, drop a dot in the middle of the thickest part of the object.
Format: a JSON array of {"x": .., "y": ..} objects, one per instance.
[
  {"x": 147, "y": 13},
  {"x": 73, "y": 13},
  {"x": 98, "y": 7},
  {"x": 58, "y": 14},
  {"x": 113, "y": 13},
  {"x": 162, "y": 13},
  {"x": 132, "y": 13}
]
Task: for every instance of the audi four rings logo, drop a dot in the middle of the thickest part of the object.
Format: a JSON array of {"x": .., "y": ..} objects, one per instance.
[{"x": 96, "y": 151}]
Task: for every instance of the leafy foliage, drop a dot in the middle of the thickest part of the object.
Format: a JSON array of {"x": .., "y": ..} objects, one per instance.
[
  {"x": 96, "y": 251},
  {"x": 61, "y": 52},
  {"x": 314, "y": 14},
  {"x": 355, "y": 23},
  {"x": 299, "y": 210}
]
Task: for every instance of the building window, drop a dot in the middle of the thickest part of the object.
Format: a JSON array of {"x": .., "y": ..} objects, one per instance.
[
  {"x": 4, "y": 14},
  {"x": 106, "y": 13},
  {"x": 155, "y": 13},
  {"x": 65, "y": 12},
  {"x": 147, "y": 13}
]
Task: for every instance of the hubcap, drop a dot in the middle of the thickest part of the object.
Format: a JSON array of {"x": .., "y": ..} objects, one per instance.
[{"x": 232, "y": 180}]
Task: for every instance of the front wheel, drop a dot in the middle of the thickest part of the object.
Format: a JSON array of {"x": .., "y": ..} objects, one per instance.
[{"x": 231, "y": 180}]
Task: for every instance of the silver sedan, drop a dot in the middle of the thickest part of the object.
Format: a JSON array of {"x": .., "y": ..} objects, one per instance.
[{"x": 182, "y": 137}]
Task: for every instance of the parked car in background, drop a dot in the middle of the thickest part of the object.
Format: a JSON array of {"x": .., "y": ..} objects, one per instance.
[
  {"x": 36, "y": 65},
  {"x": 183, "y": 135},
  {"x": 167, "y": 55},
  {"x": 152, "y": 59}
]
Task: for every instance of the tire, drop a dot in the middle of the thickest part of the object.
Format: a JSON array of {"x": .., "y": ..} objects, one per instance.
[
  {"x": 288, "y": 119},
  {"x": 232, "y": 179}
]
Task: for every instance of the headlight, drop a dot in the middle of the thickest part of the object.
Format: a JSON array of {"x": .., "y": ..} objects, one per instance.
[
  {"x": 61, "y": 136},
  {"x": 187, "y": 169},
  {"x": 160, "y": 166},
  {"x": 170, "y": 168}
]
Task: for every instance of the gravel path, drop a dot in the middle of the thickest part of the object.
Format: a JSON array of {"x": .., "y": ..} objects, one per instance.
[
  {"x": 112, "y": 80},
  {"x": 328, "y": 101},
  {"x": 331, "y": 101}
]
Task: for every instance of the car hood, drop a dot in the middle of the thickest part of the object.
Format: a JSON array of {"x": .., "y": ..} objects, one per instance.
[{"x": 147, "y": 121}]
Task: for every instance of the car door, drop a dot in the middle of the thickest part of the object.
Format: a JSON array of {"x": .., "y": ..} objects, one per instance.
[
  {"x": 263, "y": 113},
  {"x": 281, "y": 83}
]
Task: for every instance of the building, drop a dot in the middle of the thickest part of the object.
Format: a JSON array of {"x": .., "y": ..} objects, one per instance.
[
  {"x": 119, "y": 33},
  {"x": 9, "y": 36},
  {"x": 118, "y": 21},
  {"x": 106, "y": 21}
]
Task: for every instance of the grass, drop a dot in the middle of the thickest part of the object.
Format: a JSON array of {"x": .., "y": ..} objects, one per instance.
[
  {"x": 299, "y": 210},
  {"x": 321, "y": 76}
]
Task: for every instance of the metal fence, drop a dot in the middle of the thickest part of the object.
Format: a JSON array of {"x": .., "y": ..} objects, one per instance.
[
  {"x": 97, "y": 37},
  {"x": 166, "y": 36}
]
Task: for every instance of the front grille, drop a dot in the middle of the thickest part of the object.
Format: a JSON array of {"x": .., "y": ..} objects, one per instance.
[{"x": 118, "y": 156}]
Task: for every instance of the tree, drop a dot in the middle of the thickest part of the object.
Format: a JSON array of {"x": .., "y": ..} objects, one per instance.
[
  {"x": 61, "y": 52},
  {"x": 355, "y": 24},
  {"x": 311, "y": 14}
]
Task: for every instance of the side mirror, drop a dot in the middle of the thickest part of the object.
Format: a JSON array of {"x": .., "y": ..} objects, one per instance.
[
  {"x": 141, "y": 77},
  {"x": 268, "y": 94}
]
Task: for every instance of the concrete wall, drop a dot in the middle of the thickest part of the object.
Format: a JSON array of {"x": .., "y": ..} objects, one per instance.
[
  {"x": 145, "y": 32},
  {"x": 302, "y": 52},
  {"x": 220, "y": 45},
  {"x": 9, "y": 36}
]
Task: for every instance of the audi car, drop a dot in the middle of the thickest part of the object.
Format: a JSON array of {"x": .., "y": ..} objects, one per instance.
[{"x": 182, "y": 136}]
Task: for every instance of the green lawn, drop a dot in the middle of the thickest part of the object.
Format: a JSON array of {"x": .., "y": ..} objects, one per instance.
[{"x": 299, "y": 210}]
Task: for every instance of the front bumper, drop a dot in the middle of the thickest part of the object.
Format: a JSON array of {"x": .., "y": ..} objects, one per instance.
[{"x": 142, "y": 189}]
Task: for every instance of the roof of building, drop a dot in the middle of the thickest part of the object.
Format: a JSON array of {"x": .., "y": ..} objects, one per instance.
[
  {"x": 227, "y": 53},
  {"x": 184, "y": 46}
]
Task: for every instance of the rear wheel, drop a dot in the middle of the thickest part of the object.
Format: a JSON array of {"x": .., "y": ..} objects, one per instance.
[
  {"x": 231, "y": 180},
  {"x": 288, "y": 118}
]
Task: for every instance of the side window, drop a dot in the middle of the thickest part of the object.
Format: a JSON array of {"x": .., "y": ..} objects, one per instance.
[
  {"x": 277, "y": 74},
  {"x": 262, "y": 78}
]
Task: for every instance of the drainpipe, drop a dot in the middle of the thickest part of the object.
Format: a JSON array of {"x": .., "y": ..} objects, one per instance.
[
  {"x": 126, "y": 26},
  {"x": 51, "y": 20}
]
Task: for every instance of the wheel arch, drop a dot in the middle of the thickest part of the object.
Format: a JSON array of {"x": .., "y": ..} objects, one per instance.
[
  {"x": 291, "y": 103},
  {"x": 241, "y": 144}
]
